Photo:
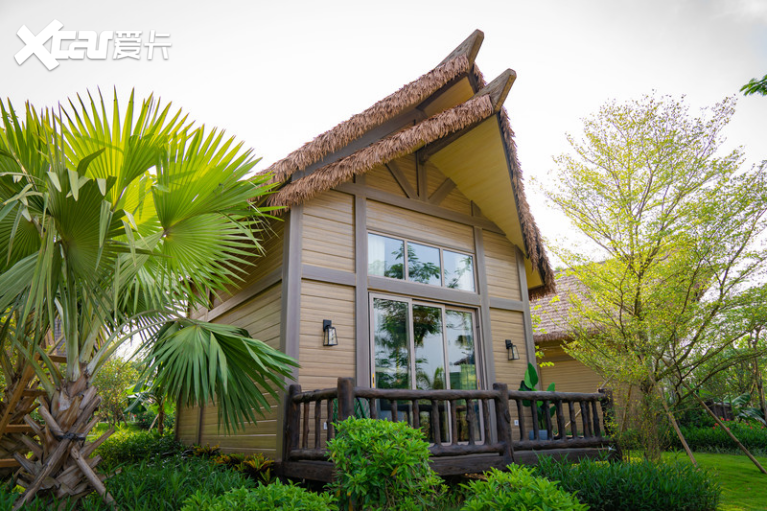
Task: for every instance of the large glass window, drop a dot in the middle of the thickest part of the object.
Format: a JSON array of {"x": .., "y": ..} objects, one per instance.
[
  {"x": 407, "y": 260},
  {"x": 386, "y": 257},
  {"x": 425, "y": 346}
]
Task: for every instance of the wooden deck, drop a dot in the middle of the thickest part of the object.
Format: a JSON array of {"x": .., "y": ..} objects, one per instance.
[{"x": 470, "y": 431}]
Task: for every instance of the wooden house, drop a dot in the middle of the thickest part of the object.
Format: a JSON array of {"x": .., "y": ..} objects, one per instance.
[{"x": 407, "y": 229}]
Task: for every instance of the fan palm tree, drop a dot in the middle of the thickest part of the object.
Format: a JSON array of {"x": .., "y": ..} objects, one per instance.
[{"x": 111, "y": 228}]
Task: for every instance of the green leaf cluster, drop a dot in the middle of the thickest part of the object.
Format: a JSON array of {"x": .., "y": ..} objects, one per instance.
[
  {"x": 528, "y": 384},
  {"x": 287, "y": 497},
  {"x": 113, "y": 224},
  {"x": 635, "y": 486},
  {"x": 382, "y": 465},
  {"x": 518, "y": 489}
]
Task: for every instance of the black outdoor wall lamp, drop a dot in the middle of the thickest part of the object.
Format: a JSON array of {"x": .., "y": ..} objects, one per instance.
[
  {"x": 512, "y": 350},
  {"x": 330, "y": 337}
]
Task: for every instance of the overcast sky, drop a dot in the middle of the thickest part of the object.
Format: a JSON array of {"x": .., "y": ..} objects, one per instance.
[{"x": 276, "y": 74}]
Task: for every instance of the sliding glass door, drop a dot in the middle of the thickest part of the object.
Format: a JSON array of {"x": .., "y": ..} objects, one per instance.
[{"x": 424, "y": 346}]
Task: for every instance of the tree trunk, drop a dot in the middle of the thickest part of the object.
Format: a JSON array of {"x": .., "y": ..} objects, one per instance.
[
  {"x": 18, "y": 401},
  {"x": 161, "y": 416},
  {"x": 61, "y": 466},
  {"x": 729, "y": 433},
  {"x": 648, "y": 421}
]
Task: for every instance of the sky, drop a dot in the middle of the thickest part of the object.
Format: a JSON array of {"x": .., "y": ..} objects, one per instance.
[{"x": 276, "y": 74}]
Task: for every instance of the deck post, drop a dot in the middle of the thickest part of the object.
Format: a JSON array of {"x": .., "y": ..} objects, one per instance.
[
  {"x": 608, "y": 410},
  {"x": 503, "y": 418},
  {"x": 292, "y": 421},
  {"x": 345, "y": 398}
]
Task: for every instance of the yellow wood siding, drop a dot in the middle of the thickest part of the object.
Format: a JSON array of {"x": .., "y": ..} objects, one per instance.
[
  {"x": 381, "y": 179},
  {"x": 328, "y": 233},
  {"x": 260, "y": 316},
  {"x": 456, "y": 201},
  {"x": 322, "y": 366},
  {"x": 419, "y": 227},
  {"x": 508, "y": 325},
  {"x": 187, "y": 424},
  {"x": 501, "y": 267},
  {"x": 272, "y": 242}
]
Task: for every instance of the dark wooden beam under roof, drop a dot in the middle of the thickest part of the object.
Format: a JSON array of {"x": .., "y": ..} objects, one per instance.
[
  {"x": 497, "y": 90},
  {"x": 469, "y": 47}
]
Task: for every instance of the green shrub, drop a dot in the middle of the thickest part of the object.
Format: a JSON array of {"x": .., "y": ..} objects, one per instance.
[
  {"x": 635, "y": 486},
  {"x": 715, "y": 439},
  {"x": 145, "y": 419},
  {"x": 126, "y": 446},
  {"x": 382, "y": 465},
  {"x": 286, "y": 497},
  {"x": 518, "y": 489}
]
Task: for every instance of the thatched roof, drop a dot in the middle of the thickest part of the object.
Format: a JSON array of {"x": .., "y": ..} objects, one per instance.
[
  {"x": 554, "y": 310},
  {"x": 330, "y": 169}
]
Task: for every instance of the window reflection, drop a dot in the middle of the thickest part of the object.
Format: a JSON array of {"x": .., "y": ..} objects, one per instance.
[
  {"x": 423, "y": 264},
  {"x": 459, "y": 270},
  {"x": 386, "y": 257}
]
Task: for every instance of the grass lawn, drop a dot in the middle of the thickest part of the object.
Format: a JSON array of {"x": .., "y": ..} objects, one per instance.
[{"x": 743, "y": 486}]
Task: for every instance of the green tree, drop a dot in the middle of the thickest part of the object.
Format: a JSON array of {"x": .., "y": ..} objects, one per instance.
[
  {"x": 115, "y": 224},
  {"x": 115, "y": 381},
  {"x": 755, "y": 86},
  {"x": 672, "y": 258}
]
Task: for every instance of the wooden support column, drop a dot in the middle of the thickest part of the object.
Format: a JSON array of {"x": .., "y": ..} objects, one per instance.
[
  {"x": 529, "y": 343},
  {"x": 290, "y": 313},
  {"x": 361, "y": 312}
]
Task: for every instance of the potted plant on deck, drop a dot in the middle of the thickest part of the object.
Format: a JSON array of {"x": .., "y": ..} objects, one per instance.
[{"x": 528, "y": 385}]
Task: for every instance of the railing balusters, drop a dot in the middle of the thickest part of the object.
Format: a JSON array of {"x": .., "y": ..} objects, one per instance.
[
  {"x": 521, "y": 419},
  {"x": 573, "y": 419},
  {"x": 560, "y": 420},
  {"x": 435, "y": 426},
  {"x": 453, "y": 421},
  {"x": 536, "y": 426},
  {"x": 331, "y": 428},
  {"x": 595, "y": 418},
  {"x": 547, "y": 420},
  {"x": 471, "y": 416},
  {"x": 585, "y": 415},
  {"x": 317, "y": 423},
  {"x": 486, "y": 420},
  {"x": 305, "y": 433}
]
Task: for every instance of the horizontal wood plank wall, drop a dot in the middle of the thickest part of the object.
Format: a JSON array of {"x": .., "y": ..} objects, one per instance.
[
  {"x": 501, "y": 267},
  {"x": 260, "y": 316},
  {"x": 322, "y": 366},
  {"x": 508, "y": 325},
  {"x": 188, "y": 424},
  {"x": 381, "y": 179},
  {"x": 271, "y": 260},
  {"x": 419, "y": 227},
  {"x": 328, "y": 231}
]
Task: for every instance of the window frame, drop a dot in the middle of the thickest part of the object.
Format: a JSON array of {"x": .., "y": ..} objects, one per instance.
[{"x": 405, "y": 263}]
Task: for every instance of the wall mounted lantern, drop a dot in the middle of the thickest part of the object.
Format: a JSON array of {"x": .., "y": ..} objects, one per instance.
[
  {"x": 512, "y": 350},
  {"x": 330, "y": 337}
]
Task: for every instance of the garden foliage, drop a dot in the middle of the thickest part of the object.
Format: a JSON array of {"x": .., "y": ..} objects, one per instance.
[
  {"x": 715, "y": 439},
  {"x": 382, "y": 465},
  {"x": 518, "y": 489},
  {"x": 286, "y": 497},
  {"x": 126, "y": 446},
  {"x": 635, "y": 486}
]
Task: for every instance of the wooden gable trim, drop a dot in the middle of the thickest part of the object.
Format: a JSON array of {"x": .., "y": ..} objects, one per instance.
[
  {"x": 442, "y": 192},
  {"x": 401, "y": 179}
]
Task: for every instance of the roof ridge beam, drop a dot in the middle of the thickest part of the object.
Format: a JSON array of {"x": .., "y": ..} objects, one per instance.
[
  {"x": 469, "y": 47},
  {"x": 497, "y": 91}
]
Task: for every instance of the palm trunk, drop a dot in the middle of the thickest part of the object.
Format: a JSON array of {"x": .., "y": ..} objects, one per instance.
[
  {"x": 161, "y": 417},
  {"x": 19, "y": 401},
  {"x": 61, "y": 466}
]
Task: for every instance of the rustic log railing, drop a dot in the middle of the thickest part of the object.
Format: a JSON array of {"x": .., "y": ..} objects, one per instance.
[{"x": 457, "y": 423}]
